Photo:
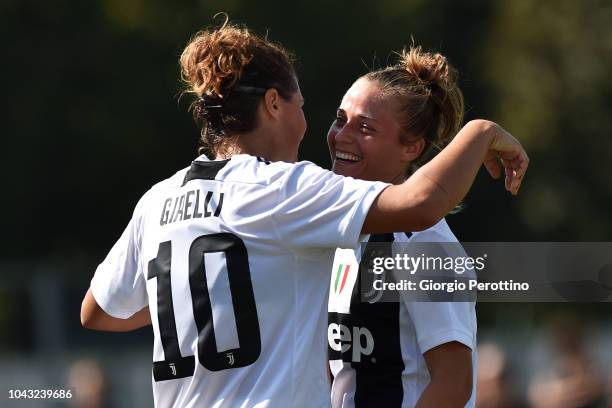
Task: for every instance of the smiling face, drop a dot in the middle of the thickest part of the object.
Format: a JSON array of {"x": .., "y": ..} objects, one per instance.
[{"x": 364, "y": 139}]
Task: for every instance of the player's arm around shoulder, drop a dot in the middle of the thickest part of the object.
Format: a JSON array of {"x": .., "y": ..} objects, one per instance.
[
  {"x": 439, "y": 185},
  {"x": 95, "y": 318}
]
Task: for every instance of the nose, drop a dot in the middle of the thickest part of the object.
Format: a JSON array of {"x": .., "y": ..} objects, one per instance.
[{"x": 344, "y": 135}]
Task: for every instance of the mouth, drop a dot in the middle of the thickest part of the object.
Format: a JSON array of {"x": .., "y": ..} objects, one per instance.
[{"x": 346, "y": 158}]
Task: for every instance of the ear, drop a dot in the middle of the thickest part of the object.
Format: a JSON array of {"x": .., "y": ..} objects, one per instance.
[
  {"x": 271, "y": 103},
  {"x": 413, "y": 151}
]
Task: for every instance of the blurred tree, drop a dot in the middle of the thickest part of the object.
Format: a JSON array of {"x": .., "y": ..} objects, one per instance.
[
  {"x": 93, "y": 117},
  {"x": 549, "y": 64}
]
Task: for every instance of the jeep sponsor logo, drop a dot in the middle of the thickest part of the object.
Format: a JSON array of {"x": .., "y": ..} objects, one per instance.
[{"x": 342, "y": 339}]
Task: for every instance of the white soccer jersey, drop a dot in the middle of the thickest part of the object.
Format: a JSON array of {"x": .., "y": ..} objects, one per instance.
[
  {"x": 376, "y": 349},
  {"x": 232, "y": 258}
]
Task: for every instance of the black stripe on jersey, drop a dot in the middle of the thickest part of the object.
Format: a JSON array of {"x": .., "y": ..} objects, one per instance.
[
  {"x": 408, "y": 235},
  {"x": 204, "y": 170},
  {"x": 174, "y": 364},
  {"x": 378, "y": 376},
  {"x": 263, "y": 160},
  {"x": 381, "y": 238}
]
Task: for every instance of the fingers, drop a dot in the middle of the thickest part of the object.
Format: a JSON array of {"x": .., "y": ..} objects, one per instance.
[
  {"x": 508, "y": 153},
  {"x": 515, "y": 166},
  {"x": 515, "y": 184},
  {"x": 508, "y": 172},
  {"x": 515, "y": 170}
]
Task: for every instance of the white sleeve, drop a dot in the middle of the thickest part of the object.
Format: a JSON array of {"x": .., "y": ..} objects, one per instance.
[
  {"x": 119, "y": 286},
  {"x": 437, "y": 323},
  {"x": 318, "y": 208}
]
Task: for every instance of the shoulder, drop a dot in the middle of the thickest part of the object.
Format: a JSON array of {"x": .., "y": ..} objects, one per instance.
[
  {"x": 158, "y": 189},
  {"x": 289, "y": 176},
  {"x": 443, "y": 230},
  {"x": 257, "y": 170},
  {"x": 307, "y": 176},
  {"x": 304, "y": 170},
  {"x": 439, "y": 232}
]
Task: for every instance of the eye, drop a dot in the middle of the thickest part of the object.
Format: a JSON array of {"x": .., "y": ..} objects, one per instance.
[
  {"x": 365, "y": 128},
  {"x": 340, "y": 120}
]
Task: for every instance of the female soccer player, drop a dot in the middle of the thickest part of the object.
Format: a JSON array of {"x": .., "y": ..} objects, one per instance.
[
  {"x": 410, "y": 353},
  {"x": 232, "y": 253}
]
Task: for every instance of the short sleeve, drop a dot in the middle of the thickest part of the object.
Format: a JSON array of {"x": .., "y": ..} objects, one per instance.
[
  {"x": 437, "y": 323},
  {"x": 119, "y": 285},
  {"x": 318, "y": 208}
]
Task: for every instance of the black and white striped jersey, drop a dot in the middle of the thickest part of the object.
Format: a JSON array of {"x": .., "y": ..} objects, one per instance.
[
  {"x": 232, "y": 257},
  {"x": 375, "y": 348}
]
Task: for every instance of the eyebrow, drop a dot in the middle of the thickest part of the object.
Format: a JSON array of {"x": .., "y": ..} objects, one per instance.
[
  {"x": 367, "y": 117},
  {"x": 361, "y": 115}
]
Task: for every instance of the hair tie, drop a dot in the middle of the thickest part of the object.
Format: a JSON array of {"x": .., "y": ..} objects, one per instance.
[
  {"x": 250, "y": 89},
  {"x": 206, "y": 106}
]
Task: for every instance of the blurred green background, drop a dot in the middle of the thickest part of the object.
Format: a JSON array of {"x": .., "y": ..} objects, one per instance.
[{"x": 91, "y": 119}]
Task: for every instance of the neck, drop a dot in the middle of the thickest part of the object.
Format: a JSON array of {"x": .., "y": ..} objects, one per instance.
[
  {"x": 255, "y": 143},
  {"x": 399, "y": 179}
]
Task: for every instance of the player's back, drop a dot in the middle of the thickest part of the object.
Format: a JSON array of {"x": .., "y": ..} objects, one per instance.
[
  {"x": 225, "y": 297},
  {"x": 234, "y": 256}
]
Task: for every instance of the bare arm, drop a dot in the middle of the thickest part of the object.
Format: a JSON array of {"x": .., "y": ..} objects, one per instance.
[
  {"x": 95, "y": 318},
  {"x": 450, "y": 369},
  {"x": 437, "y": 187}
]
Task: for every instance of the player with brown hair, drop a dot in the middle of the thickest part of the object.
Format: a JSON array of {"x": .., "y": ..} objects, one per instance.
[
  {"x": 390, "y": 122},
  {"x": 232, "y": 253}
]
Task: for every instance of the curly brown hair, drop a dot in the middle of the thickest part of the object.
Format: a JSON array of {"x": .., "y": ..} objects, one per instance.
[{"x": 228, "y": 69}]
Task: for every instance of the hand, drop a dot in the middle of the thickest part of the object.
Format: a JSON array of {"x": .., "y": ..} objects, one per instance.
[{"x": 507, "y": 152}]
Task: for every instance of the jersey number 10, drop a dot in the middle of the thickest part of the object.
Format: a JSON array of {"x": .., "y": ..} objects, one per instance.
[{"x": 247, "y": 324}]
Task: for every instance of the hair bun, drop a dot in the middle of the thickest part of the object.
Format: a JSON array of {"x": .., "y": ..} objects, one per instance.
[
  {"x": 428, "y": 69},
  {"x": 430, "y": 102},
  {"x": 213, "y": 61}
]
